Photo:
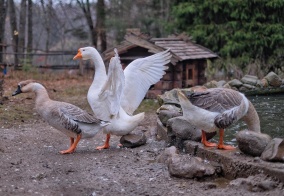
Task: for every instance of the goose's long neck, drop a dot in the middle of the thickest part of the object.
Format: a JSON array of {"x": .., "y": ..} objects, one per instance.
[
  {"x": 41, "y": 96},
  {"x": 252, "y": 119},
  {"x": 100, "y": 70}
]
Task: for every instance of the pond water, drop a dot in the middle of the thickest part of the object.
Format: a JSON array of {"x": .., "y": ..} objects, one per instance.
[{"x": 271, "y": 113}]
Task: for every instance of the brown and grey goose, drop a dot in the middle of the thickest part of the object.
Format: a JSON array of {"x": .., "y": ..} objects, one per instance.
[
  {"x": 67, "y": 118},
  {"x": 216, "y": 109}
]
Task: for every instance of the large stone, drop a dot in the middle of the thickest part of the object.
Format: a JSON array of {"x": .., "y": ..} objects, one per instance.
[
  {"x": 227, "y": 85},
  {"x": 169, "y": 107},
  {"x": 235, "y": 83},
  {"x": 258, "y": 183},
  {"x": 252, "y": 143},
  {"x": 246, "y": 87},
  {"x": 180, "y": 129},
  {"x": 186, "y": 166},
  {"x": 274, "y": 151},
  {"x": 273, "y": 79},
  {"x": 221, "y": 83},
  {"x": 211, "y": 84},
  {"x": 165, "y": 115},
  {"x": 169, "y": 97},
  {"x": 167, "y": 154},
  {"x": 249, "y": 79},
  {"x": 260, "y": 84},
  {"x": 133, "y": 140},
  {"x": 264, "y": 82}
]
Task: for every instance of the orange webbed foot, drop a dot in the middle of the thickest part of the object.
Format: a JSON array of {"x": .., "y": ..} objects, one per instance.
[
  {"x": 102, "y": 147},
  {"x": 73, "y": 145},
  {"x": 69, "y": 151},
  {"x": 205, "y": 142},
  {"x": 226, "y": 147},
  {"x": 106, "y": 144},
  {"x": 209, "y": 144}
]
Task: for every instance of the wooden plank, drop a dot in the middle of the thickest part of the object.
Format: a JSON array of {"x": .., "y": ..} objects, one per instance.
[
  {"x": 177, "y": 84},
  {"x": 168, "y": 76}
]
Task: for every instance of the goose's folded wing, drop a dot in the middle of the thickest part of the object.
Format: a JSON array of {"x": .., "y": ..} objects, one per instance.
[
  {"x": 216, "y": 100},
  {"x": 139, "y": 76},
  {"x": 112, "y": 90},
  {"x": 74, "y": 113}
]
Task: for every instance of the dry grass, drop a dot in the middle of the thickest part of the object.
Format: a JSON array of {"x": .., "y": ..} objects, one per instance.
[{"x": 61, "y": 86}]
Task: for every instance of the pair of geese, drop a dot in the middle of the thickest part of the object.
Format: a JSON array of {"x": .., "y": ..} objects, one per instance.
[{"x": 115, "y": 96}]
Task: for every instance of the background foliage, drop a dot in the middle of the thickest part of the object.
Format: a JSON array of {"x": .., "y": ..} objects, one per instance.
[{"x": 247, "y": 34}]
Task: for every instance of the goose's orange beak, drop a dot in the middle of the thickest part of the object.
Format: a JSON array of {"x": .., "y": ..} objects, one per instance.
[{"x": 78, "y": 55}]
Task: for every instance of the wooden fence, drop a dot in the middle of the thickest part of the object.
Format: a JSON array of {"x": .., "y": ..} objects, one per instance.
[{"x": 51, "y": 61}]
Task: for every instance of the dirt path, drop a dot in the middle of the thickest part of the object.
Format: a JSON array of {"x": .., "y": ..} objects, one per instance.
[{"x": 31, "y": 165}]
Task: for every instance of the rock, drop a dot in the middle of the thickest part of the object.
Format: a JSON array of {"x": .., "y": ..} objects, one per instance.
[
  {"x": 209, "y": 185},
  {"x": 252, "y": 143},
  {"x": 221, "y": 83},
  {"x": 273, "y": 79},
  {"x": 133, "y": 140},
  {"x": 227, "y": 86},
  {"x": 264, "y": 82},
  {"x": 180, "y": 129},
  {"x": 165, "y": 115},
  {"x": 256, "y": 183},
  {"x": 169, "y": 97},
  {"x": 274, "y": 151},
  {"x": 249, "y": 79},
  {"x": 211, "y": 84},
  {"x": 169, "y": 107},
  {"x": 246, "y": 87},
  {"x": 197, "y": 89},
  {"x": 185, "y": 166},
  {"x": 167, "y": 154},
  {"x": 259, "y": 84},
  {"x": 235, "y": 83}
]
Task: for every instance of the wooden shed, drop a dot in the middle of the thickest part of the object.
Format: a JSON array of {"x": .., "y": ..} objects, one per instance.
[{"x": 187, "y": 66}]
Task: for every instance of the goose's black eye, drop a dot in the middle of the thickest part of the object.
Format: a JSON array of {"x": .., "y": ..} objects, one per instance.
[{"x": 84, "y": 50}]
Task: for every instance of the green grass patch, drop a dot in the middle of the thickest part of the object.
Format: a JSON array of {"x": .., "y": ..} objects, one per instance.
[{"x": 148, "y": 106}]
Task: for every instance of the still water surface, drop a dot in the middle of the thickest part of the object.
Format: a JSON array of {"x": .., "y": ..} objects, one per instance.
[{"x": 271, "y": 113}]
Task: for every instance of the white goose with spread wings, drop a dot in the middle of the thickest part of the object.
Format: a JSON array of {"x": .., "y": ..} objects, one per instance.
[
  {"x": 65, "y": 117},
  {"x": 216, "y": 109},
  {"x": 115, "y": 96}
]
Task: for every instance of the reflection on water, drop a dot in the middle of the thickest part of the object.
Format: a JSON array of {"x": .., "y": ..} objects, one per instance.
[{"x": 271, "y": 113}]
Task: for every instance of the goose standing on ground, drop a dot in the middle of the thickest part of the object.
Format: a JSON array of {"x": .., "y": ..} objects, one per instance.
[
  {"x": 115, "y": 96},
  {"x": 216, "y": 109},
  {"x": 67, "y": 118}
]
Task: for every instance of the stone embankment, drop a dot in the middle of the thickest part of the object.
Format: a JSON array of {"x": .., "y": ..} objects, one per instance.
[
  {"x": 256, "y": 153},
  {"x": 252, "y": 85}
]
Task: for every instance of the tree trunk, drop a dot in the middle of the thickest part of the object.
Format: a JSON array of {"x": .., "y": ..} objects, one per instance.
[
  {"x": 85, "y": 6},
  {"x": 100, "y": 26},
  {"x": 48, "y": 13},
  {"x": 22, "y": 29},
  {"x": 14, "y": 31},
  {"x": 30, "y": 30},
  {"x": 2, "y": 27}
]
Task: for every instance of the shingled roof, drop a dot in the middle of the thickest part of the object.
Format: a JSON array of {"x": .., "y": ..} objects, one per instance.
[
  {"x": 181, "y": 46},
  {"x": 184, "y": 49}
]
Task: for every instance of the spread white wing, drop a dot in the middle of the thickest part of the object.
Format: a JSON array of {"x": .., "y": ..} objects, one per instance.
[
  {"x": 113, "y": 88},
  {"x": 139, "y": 76}
]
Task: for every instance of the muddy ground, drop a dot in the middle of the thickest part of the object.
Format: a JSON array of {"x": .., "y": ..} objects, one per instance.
[{"x": 31, "y": 165}]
